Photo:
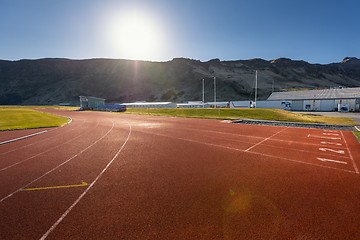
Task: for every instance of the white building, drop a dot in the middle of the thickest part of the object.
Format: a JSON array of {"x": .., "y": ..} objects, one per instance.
[
  {"x": 144, "y": 104},
  {"x": 240, "y": 104},
  {"x": 320, "y": 100},
  {"x": 192, "y": 104}
]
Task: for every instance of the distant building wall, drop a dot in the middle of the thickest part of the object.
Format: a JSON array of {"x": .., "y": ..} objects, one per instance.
[
  {"x": 240, "y": 104},
  {"x": 150, "y": 105},
  {"x": 270, "y": 104},
  {"x": 88, "y": 102}
]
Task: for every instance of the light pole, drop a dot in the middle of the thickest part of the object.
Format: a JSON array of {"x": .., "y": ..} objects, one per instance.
[
  {"x": 255, "y": 87},
  {"x": 203, "y": 92},
  {"x": 214, "y": 92}
]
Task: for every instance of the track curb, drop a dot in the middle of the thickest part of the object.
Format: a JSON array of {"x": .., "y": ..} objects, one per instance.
[
  {"x": 21, "y": 138},
  {"x": 295, "y": 124}
]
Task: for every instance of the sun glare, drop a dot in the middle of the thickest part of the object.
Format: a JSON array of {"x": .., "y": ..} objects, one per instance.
[{"x": 135, "y": 37}]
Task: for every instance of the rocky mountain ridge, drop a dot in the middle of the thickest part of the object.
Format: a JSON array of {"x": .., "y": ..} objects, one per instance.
[{"x": 53, "y": 81}]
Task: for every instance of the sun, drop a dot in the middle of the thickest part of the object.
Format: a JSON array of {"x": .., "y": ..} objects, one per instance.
[{"x": 136, "y": 37}]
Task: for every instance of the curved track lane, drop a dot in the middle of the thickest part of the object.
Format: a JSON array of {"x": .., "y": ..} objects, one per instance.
[{"x": 121, "y": 176}]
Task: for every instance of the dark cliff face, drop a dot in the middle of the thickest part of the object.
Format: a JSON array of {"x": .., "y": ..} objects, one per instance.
[{"x": 52, "y": 81}]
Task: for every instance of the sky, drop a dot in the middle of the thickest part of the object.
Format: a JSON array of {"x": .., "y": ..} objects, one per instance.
[{"x": 317, "y": 31}]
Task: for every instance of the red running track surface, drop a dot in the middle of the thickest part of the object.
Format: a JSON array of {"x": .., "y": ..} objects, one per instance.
[{"x": 123, "y": 176}]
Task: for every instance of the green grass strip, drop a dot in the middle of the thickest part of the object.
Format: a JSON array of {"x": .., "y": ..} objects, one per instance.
[
  {"x": 248, "y": 113},
  {"x": 357, "y": 134},
  {"x": 12, "y": 118}
]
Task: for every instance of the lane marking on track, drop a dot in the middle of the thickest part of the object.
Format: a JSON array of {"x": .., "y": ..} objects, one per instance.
[
  {"x": 330, "y": 160},
  {"x": 332, "y": 150},
  {"x": 46, "y": 139},
  {"x": 351, "y": 157},
  {"x": 265, "y": 139},
  {"x": 331, "y": 134},
  {"x": 82, "y": 184},
  {"x": 254, "y": 153},
  {"x": 331, "y": 143},
  {"x": 21, "y": 138},
  {"x": 316, "y": 136},
  {"x": 58, "y": 166},
  {"x": 48, "y": 150},
  {"x": 87, "y": 189}
]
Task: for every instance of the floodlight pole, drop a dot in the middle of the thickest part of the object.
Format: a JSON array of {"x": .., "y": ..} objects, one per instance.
[
  {"x": 214, "y": 92},
  {"x": 203, "y": 92},
  {"x": 256, "y": 80}
]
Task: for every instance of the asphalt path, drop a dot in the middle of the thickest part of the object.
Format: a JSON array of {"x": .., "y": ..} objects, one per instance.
[{"x": 124, "y": 176}]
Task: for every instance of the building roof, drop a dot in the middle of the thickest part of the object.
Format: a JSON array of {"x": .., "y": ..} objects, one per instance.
[
  {"x": 147, "y": 103},
  {"x": 95, "y": 98},
  {"x": 338, "y": 93}
]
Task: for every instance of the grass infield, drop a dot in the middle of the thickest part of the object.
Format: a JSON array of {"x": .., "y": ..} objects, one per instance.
[
  {"x": 248, "y": 113},
  {"x": 357, "y": 134},
  {"x": 12, "y": 118}
]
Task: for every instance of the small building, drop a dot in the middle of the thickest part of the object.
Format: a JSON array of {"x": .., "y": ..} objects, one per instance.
[
  {"x": 240, "y": 104},
  {"x": 218, "y": 104},
  {"x": 91, "y": 103},
  {"x": 192, "y": 104},
  {"x": 143, "y": 104},
  {"x": 320, "y": 100}
]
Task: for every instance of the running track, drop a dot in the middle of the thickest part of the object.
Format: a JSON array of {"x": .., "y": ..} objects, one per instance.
[{"x": 122, "y": 176}]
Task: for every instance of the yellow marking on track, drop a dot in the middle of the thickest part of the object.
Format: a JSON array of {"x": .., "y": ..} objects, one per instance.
[{"x": 82, "y": 184}]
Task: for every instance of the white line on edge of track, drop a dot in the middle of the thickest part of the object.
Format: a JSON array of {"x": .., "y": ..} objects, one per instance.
[
  {"x": 50, "y": 171},
  {"x": 20, "y": 138},
  {"x": 86, "y": 190},
  {"x": 266, "y": 139},
  {"x": 351, "y": 157}
]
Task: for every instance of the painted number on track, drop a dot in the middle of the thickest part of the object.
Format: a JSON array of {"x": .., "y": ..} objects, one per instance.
[
  {"x": 331, "y": 143},
  {"x": 332, "y": 150},
  {"x": 331, "y": 134},
  {"x": 330, "y": 160}
]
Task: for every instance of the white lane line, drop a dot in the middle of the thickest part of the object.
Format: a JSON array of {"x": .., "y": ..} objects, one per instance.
[
  {"x": 331, "y": 138},
  {"x": 332, "y": 150},
  {"x": 357, "y": 128},
  {"x": 53, "y": 169},
  {"x": 24, "y": 137},
  {"x": 330, "y": 160},
  {"x": 48, "y": 150},
  {"x": 331, "y": 143},
  {"x": 265, "y": 139},
  {"x": 30, "y": 144},
  {"x": 52, "y": 228},
  {"x": 213, "y": 133},
  {"x": 254, "y": 153},
  {"x": 351, "y": 157}
]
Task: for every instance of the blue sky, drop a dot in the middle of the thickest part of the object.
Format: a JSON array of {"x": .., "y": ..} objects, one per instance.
[{"x": 316, "y": 31}]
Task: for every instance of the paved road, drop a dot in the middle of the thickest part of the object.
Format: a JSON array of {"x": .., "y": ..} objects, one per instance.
[{"x": 122, "y": 176}]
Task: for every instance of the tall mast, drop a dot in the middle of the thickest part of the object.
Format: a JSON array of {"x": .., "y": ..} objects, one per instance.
[
  {"x": 203, "y": 92},
  {"x": 215, "y": 92},
  {"x": 256, "y": 79}
]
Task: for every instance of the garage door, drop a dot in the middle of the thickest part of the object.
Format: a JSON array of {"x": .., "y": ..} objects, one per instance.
[
  {"x": 327, "y": 105},
  {"x": 297, "y": 105}
]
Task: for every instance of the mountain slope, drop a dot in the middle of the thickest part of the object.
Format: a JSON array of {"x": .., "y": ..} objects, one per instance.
[{"x": 51, "y": 81}]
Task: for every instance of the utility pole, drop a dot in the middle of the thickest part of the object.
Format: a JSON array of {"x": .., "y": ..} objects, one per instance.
[
  {"x": 214, "y": 92},
  {"x": 203, "y": 92},
  {"x": 255, "y": 87}
]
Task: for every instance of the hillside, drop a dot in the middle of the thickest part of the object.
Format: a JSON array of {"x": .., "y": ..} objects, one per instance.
[{"x": 52, "y": 81}]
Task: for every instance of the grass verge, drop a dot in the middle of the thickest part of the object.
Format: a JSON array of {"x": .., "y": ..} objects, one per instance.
[
  {"x": 357, "y": 135},
  {"x": 13, "y": 118},
  {"x": 232, "y": 114}
]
